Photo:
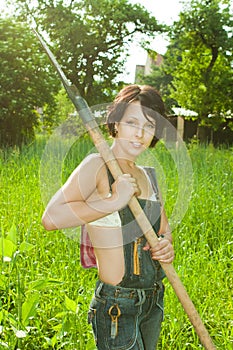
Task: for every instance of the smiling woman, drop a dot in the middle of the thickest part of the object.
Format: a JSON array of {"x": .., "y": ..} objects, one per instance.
[
  {"x": 149, "y": 107},
  {"x": 127, "y": 309},
  {"x": 134, "y": 132}
]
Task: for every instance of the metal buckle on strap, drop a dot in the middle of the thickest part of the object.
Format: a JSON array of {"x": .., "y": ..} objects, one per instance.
[{"x": 114, "y": 312}]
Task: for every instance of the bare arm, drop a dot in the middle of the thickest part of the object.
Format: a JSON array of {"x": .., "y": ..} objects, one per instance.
[{"x": 84, "y": 197}]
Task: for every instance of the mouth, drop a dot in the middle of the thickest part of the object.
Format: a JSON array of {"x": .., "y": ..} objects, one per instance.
[{"x": 136, "y": 144}]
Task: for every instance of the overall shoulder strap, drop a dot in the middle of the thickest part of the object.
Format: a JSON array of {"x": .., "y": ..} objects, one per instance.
[
  {"x": 110, "y": 178},
  {"x": 151, "y": 173}
]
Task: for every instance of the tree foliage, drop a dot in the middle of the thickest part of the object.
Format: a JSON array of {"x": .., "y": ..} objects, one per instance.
[
  {"x": 90, "y": 39},
  {"x": 199, "y": 59},
  {"x": 160, "y": 80},
  {"x": 26, "y": 83},
  {"x": 196, "y": 73}
]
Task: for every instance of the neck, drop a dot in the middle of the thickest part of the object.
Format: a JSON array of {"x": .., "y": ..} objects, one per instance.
[
  {"x": 122, "y": 160},
  {"x": 126, "y": 163}
]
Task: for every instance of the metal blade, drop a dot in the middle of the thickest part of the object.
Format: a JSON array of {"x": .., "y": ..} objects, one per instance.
[{"x": 78, "y": 101}]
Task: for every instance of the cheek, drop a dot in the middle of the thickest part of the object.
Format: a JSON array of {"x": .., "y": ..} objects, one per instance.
[
  {"x": 150, "y": 135},
  {"x": 125, "y": 131}
]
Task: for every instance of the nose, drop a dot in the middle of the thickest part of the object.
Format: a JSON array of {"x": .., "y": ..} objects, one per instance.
[{"x": 139, "y": 131}]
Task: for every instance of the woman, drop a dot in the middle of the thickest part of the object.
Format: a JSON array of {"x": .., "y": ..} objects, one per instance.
[{"x": 127, "y": 309}]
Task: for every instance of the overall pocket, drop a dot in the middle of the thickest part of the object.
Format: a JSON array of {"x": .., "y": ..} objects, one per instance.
[
  {"x": 114, "y": 322},
  {"x": 96, "y": 306}
]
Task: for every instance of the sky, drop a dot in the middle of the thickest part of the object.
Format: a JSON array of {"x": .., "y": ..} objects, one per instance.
[{"x": 166, "y": 12}]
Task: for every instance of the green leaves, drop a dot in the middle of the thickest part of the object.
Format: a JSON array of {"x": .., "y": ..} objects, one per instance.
[
  {"x": 203, "y": 244},
  {"x": 7, "y": 248},
  {"x": 27, "y": 82},
  {"x": 29, "y": 308},
  {"x": 196, "y": 73},
  {"x": 71, "y": 305},
  {"x": 90, "y": 39},
  {"x": 9, "y": 245},
  {"x": 201, "y": 69},
  {"x": 42, "y": 284}
]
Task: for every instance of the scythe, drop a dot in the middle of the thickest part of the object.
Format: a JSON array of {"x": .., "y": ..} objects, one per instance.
[{"x": 106, "y": 153}]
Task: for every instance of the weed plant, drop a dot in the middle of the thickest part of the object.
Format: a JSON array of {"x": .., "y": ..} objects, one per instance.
[{"x": 45, "y": 293}]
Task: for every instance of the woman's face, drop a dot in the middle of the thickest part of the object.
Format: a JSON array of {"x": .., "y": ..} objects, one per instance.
[{"x": 135, "y": 132}]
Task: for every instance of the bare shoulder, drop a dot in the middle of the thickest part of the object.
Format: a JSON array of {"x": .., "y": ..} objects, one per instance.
[
  {"x": 90, "y": 166},
  {"x": 89, "y": 176},
  {"x": 94, "y": 160}
]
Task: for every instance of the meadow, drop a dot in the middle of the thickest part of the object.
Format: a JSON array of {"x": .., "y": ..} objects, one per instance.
[{"x": 44, "y": 291}]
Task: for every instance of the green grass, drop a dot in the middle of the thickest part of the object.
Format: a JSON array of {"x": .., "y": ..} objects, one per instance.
[{"x": 45, "y": 293}]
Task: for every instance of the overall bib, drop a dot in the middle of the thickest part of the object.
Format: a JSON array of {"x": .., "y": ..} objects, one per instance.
[{"x": 129, "y": 315}]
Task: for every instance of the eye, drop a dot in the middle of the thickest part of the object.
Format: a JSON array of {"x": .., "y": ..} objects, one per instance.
[
  {"x": 131, "y": 122},
  {"x": 150, "y": 126}
]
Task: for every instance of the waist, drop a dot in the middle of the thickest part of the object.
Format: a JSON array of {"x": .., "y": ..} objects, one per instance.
[{"x": 108, "y": 290}]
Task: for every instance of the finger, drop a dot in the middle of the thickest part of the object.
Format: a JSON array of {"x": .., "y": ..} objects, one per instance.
[
  {"x": 146, "y": 246},
  {"x": 138, "y": 192},
  {"x": 167, "y": 261},
  {"x": 167, "y": 257},
  {"x": 161, "y": 251},
  {"x": 127, "y": 176},
  {"x": 158, "y": 247}
]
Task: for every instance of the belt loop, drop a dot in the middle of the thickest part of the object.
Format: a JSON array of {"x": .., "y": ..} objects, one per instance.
[
  {"x": 98, "y": 289},
  {"x": 141, "y": 296},
  {"x": 117, "y": 292},
  {"x": 131, "y": 295},
  {"x": 160, "y": 285}
]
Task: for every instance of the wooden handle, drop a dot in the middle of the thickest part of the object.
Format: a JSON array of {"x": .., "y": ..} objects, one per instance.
[
  {"x": 106, "y": 153},
  {"x": 152, "y": 239}
]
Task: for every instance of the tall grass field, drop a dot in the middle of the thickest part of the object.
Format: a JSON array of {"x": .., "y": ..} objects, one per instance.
[{"x": 44, "y": 291}]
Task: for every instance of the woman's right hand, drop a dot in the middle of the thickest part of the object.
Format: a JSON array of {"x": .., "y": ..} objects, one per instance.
[{"x": 123, "y": 189}]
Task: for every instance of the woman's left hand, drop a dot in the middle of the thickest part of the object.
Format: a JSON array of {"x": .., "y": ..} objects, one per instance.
[{"x": 163, "y": 251}]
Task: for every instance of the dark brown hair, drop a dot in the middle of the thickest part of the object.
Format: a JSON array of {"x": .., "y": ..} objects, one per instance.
[{"x": 148, "y": 97}]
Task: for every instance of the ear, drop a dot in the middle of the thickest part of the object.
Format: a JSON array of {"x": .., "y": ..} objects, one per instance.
[{"x": 116, "y": 127}]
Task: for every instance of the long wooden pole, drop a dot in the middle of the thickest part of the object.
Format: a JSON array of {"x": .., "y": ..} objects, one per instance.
[{"x": 106, "y": 153}]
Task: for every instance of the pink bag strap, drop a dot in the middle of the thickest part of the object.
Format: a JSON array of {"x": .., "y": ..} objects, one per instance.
[{"x": 87, "y": 254}]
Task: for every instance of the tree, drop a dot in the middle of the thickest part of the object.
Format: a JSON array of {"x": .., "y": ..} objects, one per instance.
[
  {"x": 26, "y": 83},
  {"x": 199, "y": 59},
  {"x": 90, "y": 38},
  {"x": 161, "y": 80}
]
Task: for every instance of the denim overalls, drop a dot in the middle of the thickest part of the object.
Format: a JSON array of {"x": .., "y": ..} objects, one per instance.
[{"x": 129, "y": 315}]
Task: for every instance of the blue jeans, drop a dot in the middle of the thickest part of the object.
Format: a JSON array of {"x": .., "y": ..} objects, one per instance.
[{"x": 126, "y": 318}]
